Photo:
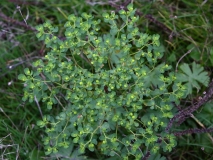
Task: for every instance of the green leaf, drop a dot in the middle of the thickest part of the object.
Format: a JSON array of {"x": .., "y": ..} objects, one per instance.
[
  {"x": 49, "y": 106},
  {"x": 40, "y": 123},
  {"x": 75, "y": 140},
  {"x": 22, "y": 77},
  {"x": 105, "y": 126},
  {"x": 112, "y": 153},
  {"x": 154, "y": 76},
  {"x": 38, "y": 35},
  {"x": 91, "y": 147},
  {"x": 130, "y": 7},
  {"x": 115, "y": 58},
  {"x": 55, "y": 29},
  {"x": 193, "y": 78},
  {"x": 74, "y": 133},
  {"x": 48, "y": 150}
]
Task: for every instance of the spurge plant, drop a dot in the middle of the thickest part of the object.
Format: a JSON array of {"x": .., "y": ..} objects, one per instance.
[{"x": 113, "y": 95}]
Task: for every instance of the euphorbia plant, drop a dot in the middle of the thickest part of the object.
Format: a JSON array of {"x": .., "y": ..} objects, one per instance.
[{"x": 115, "y": 98}]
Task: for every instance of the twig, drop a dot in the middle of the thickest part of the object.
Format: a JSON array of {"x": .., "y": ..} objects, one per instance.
[
  {"x": 22, "y": 2},
  {"x": 39, "y": 108},
  {"x": 25, "y": 19},
  {"x": 11, "y": 20},
  {"x": 204, "y": 2},
  {"x": 187, "y": 112},
  {"x": 194, "y": 130},
  {"x": 100, "y": 3},
  {"x": 182, "y": 58}
]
